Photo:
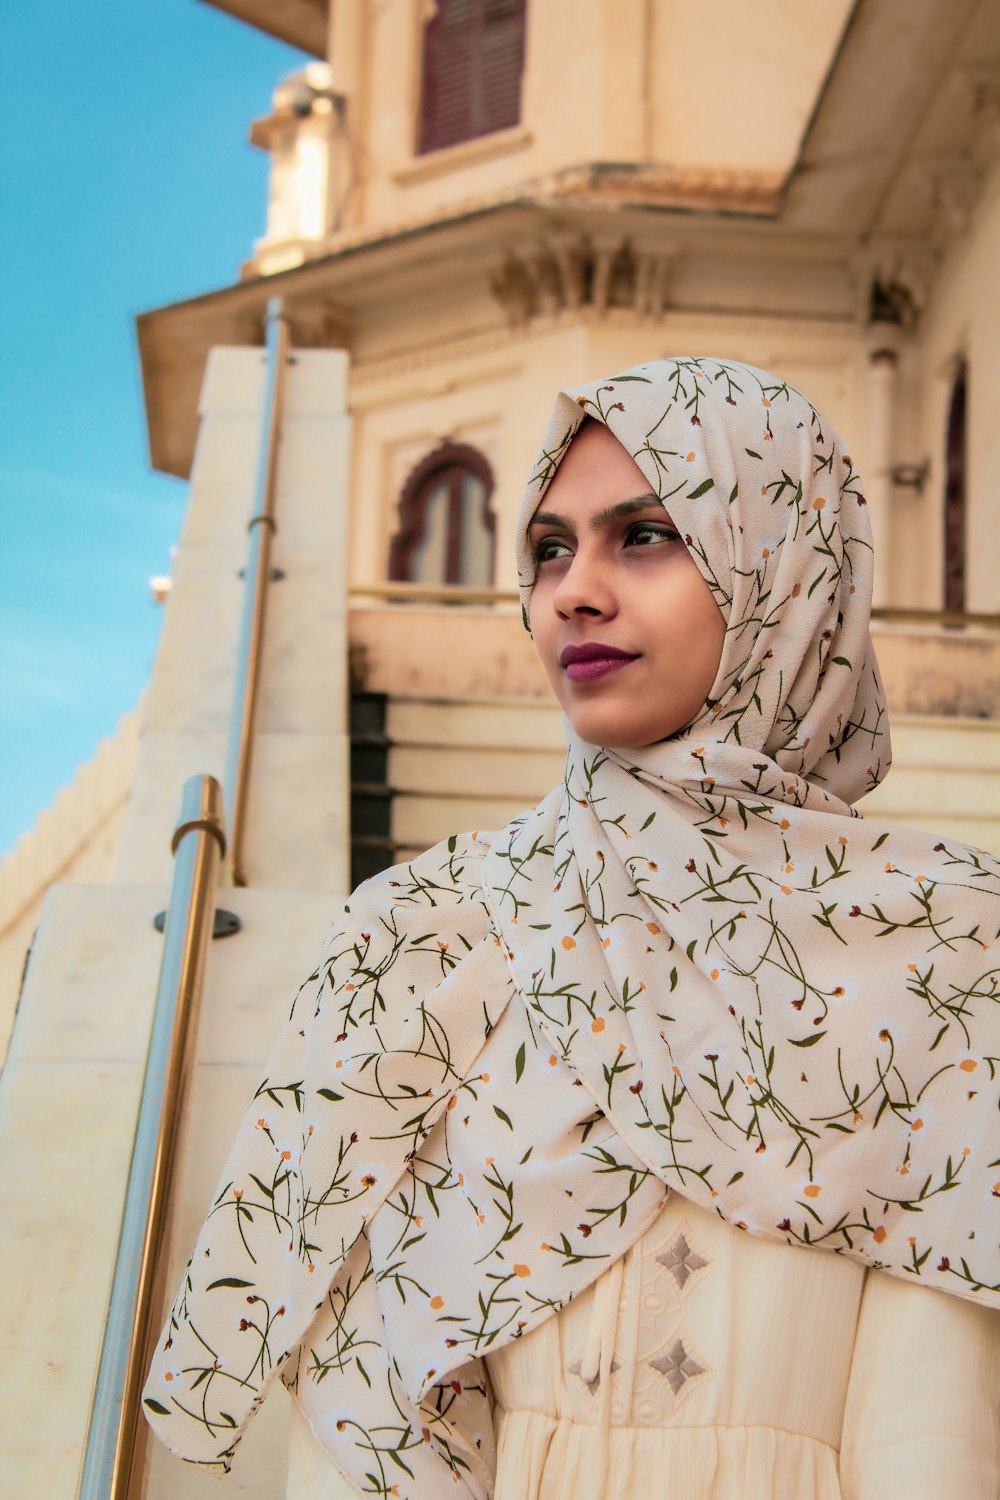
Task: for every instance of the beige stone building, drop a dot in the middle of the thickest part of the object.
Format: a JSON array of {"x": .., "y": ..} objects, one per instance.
[{"x": 471, "y": 203}]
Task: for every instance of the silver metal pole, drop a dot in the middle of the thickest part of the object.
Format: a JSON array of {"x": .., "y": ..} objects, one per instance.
[
  {"x": 116, "y": 1439},
  {"x": 258, "y": 577}
]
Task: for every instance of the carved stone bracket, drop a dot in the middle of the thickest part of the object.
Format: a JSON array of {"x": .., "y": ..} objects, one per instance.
[
  {"x": 893, "y": 280},
  {"x": 571, "y": 274}
]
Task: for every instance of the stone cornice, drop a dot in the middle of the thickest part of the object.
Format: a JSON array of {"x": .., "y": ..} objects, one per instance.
[
  {"x": 709, "y": 189},
  {"x": 541, "y": 257}
]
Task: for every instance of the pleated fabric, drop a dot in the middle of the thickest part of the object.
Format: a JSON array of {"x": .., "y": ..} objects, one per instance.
[{"x": 708, "y": 1365}]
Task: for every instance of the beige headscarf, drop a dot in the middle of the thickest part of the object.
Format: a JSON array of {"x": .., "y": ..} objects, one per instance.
[{"x": 689, "y": 967}]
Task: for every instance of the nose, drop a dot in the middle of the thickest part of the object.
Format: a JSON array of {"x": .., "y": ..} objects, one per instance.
[{"x": 585, "y": 588}]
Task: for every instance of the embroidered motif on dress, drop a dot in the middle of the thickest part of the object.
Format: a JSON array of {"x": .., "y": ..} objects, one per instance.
[
  {"x": 655, "y": 1362},
  {"x": 681, "y": 1261},
  {"x": 669, "y": 1366},
  {"x": 592, "y": 1385},
  {"x": 677, "y": 1366}
]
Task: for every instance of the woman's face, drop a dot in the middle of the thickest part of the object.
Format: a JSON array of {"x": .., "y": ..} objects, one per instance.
[{"x": 626, "y": 627}]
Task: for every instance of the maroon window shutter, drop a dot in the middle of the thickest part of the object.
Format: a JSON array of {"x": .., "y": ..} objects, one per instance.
[{"x": 472, "y": 64}]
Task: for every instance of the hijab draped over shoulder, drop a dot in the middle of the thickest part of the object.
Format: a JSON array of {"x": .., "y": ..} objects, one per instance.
[{"x": 692, "y": 967}]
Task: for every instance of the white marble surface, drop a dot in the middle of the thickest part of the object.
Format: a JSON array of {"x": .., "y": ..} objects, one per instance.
[
  {"x": 297, "y": 820},
  {"x": 65, "y": 1138},
  {"x": 297, "y": 824},
  {"x": 303, "y": 685},
  {"x": 68, "y": 1100},
  {"x": 252, "y": 978},
  {"x": 313, "y": 458},
  {"x": 298, "y": 800},
  {"x": 259, "y": 1467},
  {"x": 191, "y": 686},
  {"x": 313, "y": 473},
  {"x": 220, "y": 501},
  {"x": 303, "y": 676},
  {"x": 165, "y": 761}
]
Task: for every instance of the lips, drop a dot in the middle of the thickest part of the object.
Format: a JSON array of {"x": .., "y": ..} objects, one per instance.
[{"x": 593, "y": 659}]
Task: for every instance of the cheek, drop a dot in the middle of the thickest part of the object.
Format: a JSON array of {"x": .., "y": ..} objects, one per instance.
[
  {"x": 712, "y": 630},
  {"x": 540, "y": 623},
  {"x": 699, "y": 628}
]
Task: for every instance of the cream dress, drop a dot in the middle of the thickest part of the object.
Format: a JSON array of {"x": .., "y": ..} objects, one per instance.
[{"x": 711, "y": 1365}]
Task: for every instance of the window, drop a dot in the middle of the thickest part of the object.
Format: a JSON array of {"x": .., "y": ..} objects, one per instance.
[
  {"x": 447, "y": 528},
  {"x": 954, "y": 494},
  {"x": 471, "y": 80}
]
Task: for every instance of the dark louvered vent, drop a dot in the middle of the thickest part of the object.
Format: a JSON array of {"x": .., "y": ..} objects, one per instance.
[
  {"x": 473, "y": 57},
  {"x": 372, "y": 847}
]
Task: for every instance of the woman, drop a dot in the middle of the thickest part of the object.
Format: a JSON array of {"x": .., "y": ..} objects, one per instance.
[{"x": 565, "y": 1118}]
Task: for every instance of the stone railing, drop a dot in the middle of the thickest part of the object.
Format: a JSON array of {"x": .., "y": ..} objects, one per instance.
[{"x": 62, "y": 831}]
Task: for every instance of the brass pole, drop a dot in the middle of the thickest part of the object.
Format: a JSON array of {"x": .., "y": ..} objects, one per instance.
[
  {"x": 261, "y": 527},
  {"x": 116, "y": 1439}
]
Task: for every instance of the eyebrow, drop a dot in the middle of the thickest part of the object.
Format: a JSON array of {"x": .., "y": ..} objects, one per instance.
[{"x": 604, "y": 517}]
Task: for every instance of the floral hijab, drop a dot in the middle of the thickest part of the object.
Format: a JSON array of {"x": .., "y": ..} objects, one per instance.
[{"x": 690, "y": 968}]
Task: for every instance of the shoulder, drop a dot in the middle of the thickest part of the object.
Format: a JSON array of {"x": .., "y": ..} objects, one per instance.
[
  {"x": 401, "y": 934},
  {"x": 448, "y": 874}
]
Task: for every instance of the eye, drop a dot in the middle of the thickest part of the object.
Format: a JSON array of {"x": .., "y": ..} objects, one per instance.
[
  {"x": 548, "y": 548},
  {"x": 649, "y": 533}
]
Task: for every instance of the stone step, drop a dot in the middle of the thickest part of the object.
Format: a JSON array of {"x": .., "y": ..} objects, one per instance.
[
  {"x": 456, "y": 766},
  {"x": 917, "y": 739},
  {"x": 506, "y": 723},
  {"x": 936, "y": 790},
  {"x": 449, "y": 770},
  {"x": 945, "y": 742},
  {"x": 419, "y": 822}
]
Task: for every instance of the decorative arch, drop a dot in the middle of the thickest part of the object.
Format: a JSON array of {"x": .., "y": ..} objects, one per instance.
[{"x": 447, "y": 526}]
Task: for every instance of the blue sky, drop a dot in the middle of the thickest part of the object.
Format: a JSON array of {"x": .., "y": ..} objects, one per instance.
[{"x": 126, "y": 181}]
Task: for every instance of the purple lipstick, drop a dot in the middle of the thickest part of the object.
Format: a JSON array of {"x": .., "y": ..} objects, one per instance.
[{"x": 587, "y": 662}]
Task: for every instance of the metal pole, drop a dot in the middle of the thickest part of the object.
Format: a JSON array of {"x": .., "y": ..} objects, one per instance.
[
  {"x": 258, "y": 577},
  {"x": 116, "y": 1439}
]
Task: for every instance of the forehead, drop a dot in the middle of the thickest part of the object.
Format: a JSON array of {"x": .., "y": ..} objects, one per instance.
[{"x": 595, "y": 471}]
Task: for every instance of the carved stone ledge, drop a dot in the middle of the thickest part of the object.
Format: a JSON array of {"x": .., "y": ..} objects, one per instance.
[
  {"x": 573, "y": 274},
  {"x": 710, "y": 188}
]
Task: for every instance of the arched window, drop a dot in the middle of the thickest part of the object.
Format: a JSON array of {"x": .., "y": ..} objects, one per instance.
[
  {"x": 471, "y": 77},
  {"x": 446, "y": 523},
  {"x": 954, "y": 493}
]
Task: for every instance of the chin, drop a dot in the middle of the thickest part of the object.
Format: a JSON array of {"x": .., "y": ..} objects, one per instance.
[
  {"x": 613, "y": 736},
  {"x": 616, "y": 733}
]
